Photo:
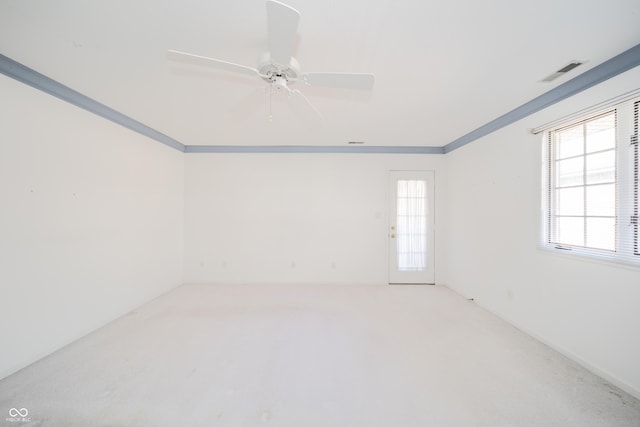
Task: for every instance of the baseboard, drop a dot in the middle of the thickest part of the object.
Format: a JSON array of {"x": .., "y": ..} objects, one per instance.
[{"x": 602, "y": 373}]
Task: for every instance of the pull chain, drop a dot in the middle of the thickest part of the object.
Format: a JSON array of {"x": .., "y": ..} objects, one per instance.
[{"x": 270, "y": 110}]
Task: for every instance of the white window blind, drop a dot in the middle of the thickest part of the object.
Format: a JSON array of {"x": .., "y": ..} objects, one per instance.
[
  {"x": 636, "y": 174},
  {"x": 592, "y": 185},
  {"x": 411, "y": 238}
]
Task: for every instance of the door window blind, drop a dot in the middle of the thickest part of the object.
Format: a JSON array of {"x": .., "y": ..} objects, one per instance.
[{"x": 412, "y": 225}]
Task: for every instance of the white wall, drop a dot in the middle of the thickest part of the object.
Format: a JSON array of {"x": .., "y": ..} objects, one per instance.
[
  {"x": 90, "y": 222},
  {"x": 292, "y": 218},
  {"x": 586, "y": 309}
]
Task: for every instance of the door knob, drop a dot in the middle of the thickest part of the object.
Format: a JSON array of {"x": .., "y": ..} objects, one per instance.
[{"x": 393, "y": 236}]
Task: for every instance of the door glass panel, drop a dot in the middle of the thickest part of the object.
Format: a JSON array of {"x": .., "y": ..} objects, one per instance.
[{"x": 411, "y": 221}]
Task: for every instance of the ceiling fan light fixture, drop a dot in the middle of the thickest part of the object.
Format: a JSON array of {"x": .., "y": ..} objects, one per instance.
[{"x": 280, "y": 83}]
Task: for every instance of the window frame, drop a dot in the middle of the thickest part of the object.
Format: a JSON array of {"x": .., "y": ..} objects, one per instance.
[{"x": 627, "y": 238}]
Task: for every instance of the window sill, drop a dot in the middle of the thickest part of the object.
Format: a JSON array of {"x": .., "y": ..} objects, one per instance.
[{"x": 609, "y": 261}]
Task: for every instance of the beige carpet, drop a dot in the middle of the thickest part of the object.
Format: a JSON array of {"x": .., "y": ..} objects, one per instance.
[{"x": 392, "y": 356}]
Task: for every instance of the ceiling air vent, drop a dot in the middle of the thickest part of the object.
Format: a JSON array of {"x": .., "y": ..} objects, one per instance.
[
  {"x": 355, "y": 142},
  {"x": 564, "y": 70}
]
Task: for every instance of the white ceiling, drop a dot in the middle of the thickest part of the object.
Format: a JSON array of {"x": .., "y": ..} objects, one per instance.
[{"x": 442, "y": 68}]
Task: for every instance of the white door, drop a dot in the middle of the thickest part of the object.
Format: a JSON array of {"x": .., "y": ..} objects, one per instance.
[{"x": 411, "y": 227}]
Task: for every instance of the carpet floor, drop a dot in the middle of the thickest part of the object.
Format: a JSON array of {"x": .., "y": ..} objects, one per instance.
[{"x": 393, "y": 356}]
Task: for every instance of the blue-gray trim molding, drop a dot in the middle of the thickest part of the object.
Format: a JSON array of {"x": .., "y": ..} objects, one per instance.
[
  {"x": 41, "y": 82},
  {"x": 311, "y": 149},
  {"x": 618, "y": 64}
]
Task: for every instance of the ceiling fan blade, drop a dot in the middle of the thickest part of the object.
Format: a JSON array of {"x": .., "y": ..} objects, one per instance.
[
  {"x": 340, "y": 80},
  {"x": 300, "y": 102},
  {"x": 282, "y": 25},
  {"x": 210, "y": 62}
]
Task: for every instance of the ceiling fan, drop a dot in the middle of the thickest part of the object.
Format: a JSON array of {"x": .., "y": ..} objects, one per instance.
[{"x": 277, "y": 66}]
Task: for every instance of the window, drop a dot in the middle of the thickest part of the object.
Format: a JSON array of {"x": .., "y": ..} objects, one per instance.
[
  {"x": 592, "y": 193},
  {"x": 411, "y": 236}
]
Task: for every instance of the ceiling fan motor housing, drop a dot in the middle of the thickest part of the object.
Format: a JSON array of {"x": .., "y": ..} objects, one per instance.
[{"x": 276, "y": 73}]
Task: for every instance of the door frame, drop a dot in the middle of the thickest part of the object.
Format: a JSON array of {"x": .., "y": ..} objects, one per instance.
[{"x": 395, "y": 276}]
